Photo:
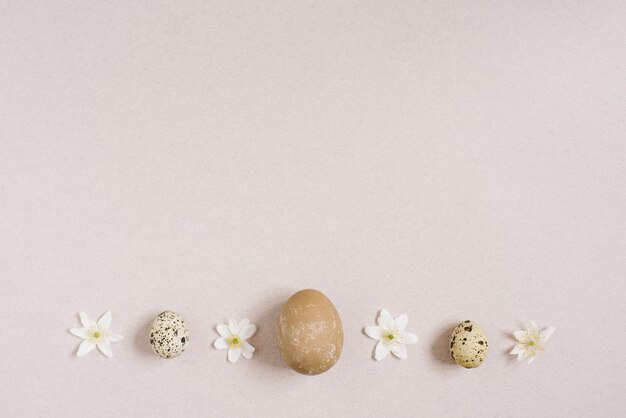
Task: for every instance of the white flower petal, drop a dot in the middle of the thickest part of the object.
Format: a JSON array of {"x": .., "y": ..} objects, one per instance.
[
  {"x": 86, "y": 320},
  {"x": 85, "y": 347},
  {"x": 247, "y": 346},
  {"x": 516, "y": 349},
  {"x": 233, "y": 327},
  {"x": 385, "y": 320},
  {"x": 247, "y": 332},
  {"x": 382, "y": 350},
  {"x": 243, "y": 323},
  {"x": 521, "y": 355},
  {"x": 113, "y": 337},
  {"x": 410, "y": 338},
  {"x": 546, "y": 333},
  {"x": 533, "y": 326},
  {"x": 221, "y": 343},
  {"x": 223, "y": 330},
  {"x": 374, "y": 332},
  {"x": 105, "y": 348},
  {"x": 531, "y": 359},
  {"x": 79, "y": 332},
  {"x": 247, "y": 354},
  {"x": 233, "y": 354},
  {"x": 520, "y": 335},
  {"x": 399, "y": 351},
  {"x": 104, "y": 322},
  {"x": 400, "y": 322}
]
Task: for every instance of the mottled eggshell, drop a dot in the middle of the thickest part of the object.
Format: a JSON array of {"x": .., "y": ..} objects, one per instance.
[
  {"x": 468, "y": 345},
  {"x": 168, "y": 336},
  {"x": 309, "y": 332}
]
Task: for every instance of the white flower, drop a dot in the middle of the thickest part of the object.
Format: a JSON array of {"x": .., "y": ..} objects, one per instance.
[
  {"x": 530, "y": 342},
  {"x": 95, "y": 334},
  {"x": 391, "y": 335},
  {"x": 233, "y": 336}
]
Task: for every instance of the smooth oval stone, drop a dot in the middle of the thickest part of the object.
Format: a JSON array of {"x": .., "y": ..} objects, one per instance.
[{"x": 309, "y": 332}]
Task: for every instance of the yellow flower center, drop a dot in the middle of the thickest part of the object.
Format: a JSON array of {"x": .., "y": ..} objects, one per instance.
[
  {"x": 97, "y": 334},
  {"x": 535, "y": 344},
  {"x": 234, "y": 341},
  {"x": 391, "y": 337}
]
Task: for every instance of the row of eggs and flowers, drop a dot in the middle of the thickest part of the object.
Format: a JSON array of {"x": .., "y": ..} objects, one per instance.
[{"x": 309, "y": 336}]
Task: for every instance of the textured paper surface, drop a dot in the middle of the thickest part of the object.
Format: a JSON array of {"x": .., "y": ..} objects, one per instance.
[{"x": 450, "y": 160}]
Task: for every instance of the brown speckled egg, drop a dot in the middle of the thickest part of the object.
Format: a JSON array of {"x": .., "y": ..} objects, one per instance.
[
  {"x": 309, "y": 332},
  {"x": 468, "y": 345},
  {"x": 168, "y": 336}
]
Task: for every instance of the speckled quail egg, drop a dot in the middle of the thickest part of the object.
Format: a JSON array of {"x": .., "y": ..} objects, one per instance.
[
  {"x": 468, "y": 345},
  {"x": 169, "y": 335}
]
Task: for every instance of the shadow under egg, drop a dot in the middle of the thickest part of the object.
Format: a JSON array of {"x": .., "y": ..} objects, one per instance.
[{"x": 440, "y": 349}]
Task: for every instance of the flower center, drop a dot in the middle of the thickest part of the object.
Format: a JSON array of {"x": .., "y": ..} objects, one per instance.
[
  {"x": 392, "y": 337},
  {"x": 234, "y": 341},
  {"x": 531, "y": 343},
  {"x": 96, "y": 334}
]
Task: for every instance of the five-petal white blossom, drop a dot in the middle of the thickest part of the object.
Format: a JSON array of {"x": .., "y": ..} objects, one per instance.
[
  {"x": 95, "y": 334},
  {"x": 530, "y": 342},
  {"x": 233, "y": 337},
  {"x": 391, "y": 335}
]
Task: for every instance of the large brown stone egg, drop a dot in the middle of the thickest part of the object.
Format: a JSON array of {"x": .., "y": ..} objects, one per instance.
[{"x": 309, "y": 332}]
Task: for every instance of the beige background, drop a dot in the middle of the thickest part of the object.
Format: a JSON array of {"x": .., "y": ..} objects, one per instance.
[{"x": 451, "y": 160}]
